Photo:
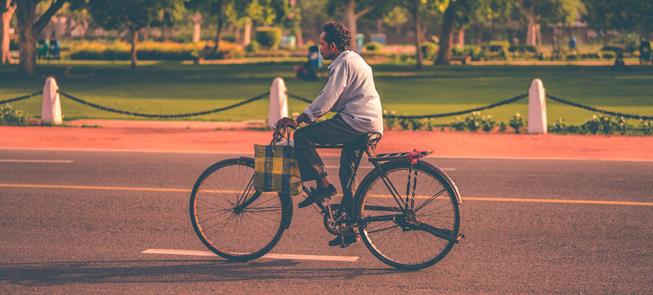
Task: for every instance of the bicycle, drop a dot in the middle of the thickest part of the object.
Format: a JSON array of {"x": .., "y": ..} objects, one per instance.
[{"x": 410, "y": 231}]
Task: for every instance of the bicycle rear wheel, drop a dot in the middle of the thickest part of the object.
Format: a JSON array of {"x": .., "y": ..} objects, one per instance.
[
  {"x": 230, "y": 217},
  {"x": 408, "y": 217}
]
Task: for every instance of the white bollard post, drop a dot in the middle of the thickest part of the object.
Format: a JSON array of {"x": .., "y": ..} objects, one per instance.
[
  {"x": 278, "y": 107},
  {"x": 51, "y": 105},
  {"x": 537, "y": 108}
]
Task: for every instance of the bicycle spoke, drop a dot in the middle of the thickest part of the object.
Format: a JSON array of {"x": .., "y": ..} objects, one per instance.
[
  {"x": 382, "y": 229},
  {"x": 430, "y": 200},
  {"x": 418, "y": 232},
  {"x": 231, "y": 217}
]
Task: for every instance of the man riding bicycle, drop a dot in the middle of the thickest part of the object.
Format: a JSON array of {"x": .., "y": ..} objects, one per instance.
[{"x": 351, "y": 94}]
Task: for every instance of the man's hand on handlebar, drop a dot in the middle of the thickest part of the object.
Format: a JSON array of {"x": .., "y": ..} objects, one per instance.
[{"x": 289, "y": 122}]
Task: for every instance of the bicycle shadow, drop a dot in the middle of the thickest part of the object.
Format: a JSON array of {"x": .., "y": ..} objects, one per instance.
[{"x": 172, "y": 271}]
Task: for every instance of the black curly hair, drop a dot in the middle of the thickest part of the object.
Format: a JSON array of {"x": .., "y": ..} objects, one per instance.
[{"x": 338, "y": 34}]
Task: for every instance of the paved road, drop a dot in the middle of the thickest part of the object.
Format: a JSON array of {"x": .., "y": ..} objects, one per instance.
[{"x": 87, "y": 233}]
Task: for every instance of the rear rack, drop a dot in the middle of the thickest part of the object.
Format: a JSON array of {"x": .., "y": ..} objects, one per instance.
[{"x": 398, "y": 156}]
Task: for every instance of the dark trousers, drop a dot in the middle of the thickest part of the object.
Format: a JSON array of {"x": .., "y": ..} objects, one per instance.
[{"x": 332, "y": 131}]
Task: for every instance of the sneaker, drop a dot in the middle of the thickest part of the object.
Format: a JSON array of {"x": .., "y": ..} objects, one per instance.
[
  {"x": 317, "y": 195},
  {"x": 349, "y": 239}
]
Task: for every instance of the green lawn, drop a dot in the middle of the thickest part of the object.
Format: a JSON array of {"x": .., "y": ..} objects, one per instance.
[{"x": 176, "y": 88}]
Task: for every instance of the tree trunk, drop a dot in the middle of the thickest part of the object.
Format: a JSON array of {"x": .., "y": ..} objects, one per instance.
[
  {"x": 446, "y": 38},
  {"x": 350, "y": 21},
  {"x": 418, "y": 51},
  {"x": 25, "y": 14},
  {"x": 461, "y": 38},
  {"x": 299, "y": 37},
  {"x": 5, "y": 37},
  {"x": 134, "y": 49},
  {"x": 29, "y": 30},
  {"x": 197, "y": 27},
  {"x": 533, "y": 30},
  {"x": 247, "y": 32}
]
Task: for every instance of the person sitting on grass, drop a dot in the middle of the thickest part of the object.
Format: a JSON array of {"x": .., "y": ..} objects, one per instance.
[{"x": 351, "y": 94}]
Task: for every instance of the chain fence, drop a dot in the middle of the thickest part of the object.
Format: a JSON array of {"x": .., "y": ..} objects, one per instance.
[
  {"x": 24, "y": 97},
  {"x": 163, "y": 116},
  {"x": 593, "y": 109},
  {"x": 487, "y": 107},
  {"x": 307, "y": 100}
]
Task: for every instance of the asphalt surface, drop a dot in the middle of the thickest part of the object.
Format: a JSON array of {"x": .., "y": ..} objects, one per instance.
[{"x": 87, "y": 234}]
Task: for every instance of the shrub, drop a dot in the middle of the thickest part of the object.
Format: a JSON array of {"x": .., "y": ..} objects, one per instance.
[
  {"x": 13, "y": 44},
  {"x": 474, "y": 52},
  {"x": 590, "y": 55},
  {"x": 457, "y": 124},
  {"x": 146, "y": 50},
  {"x": 10, "y": 116},
  {"x": 373, "y": 46},
  {"x": 522, "y": 48},
  {"x": 268, "y": 37},
  {"x": 390, "y": 122},
  {"x": 430, "y": 125},
  {"x": 614, "y": 48},
  {"x": 418, "y": 124},
  {"x": 429, "y": 49},
  {"x": 622, "y": 125},
  {"x": 253, "y": 47},
  {"x": 605, "y": 124},
  {"x": 229, "y": 38},
  {"x": 487, "y": 123},
  {"x": 502, "y": 127},
  {"x": 474, "y": 121},
  {"x": 496, "y": 50},
  {"x": 524, "y": 51},
  {"x": 405, "y": 123},
  {"x": 608, "y": 55},
  {"x": 572, "y": 55},
  {"x": 517, "y": 123},
  {"x": 559, "y": 126},
  {"x": 646, "y": 126},
  {"x": 592, "y": 125}
]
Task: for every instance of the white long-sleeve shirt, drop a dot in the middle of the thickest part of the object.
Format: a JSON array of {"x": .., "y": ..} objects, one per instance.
[{"x": 350, "y": 92}]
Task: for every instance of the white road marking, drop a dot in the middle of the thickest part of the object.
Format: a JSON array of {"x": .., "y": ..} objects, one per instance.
[
  {"x": 465, "y": 199},
  {"x": 35, "y": 161},
  {"x": 267, "y": 256},
  {"x": 436, "y": 156}
]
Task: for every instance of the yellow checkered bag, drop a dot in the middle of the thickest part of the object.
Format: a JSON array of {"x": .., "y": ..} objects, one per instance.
[{"x": 276, "y": 169}]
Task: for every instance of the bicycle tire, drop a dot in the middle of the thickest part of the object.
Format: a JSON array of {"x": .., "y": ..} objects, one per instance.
[
  {"x": 363, "y": 197},
  {"x": 219, "y": 247}
]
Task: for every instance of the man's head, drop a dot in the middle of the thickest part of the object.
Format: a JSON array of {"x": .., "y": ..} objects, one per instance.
[{"x": 334, "y": 39}]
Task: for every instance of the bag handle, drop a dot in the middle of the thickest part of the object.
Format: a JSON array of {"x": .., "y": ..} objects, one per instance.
[{"x": 278, "y": 135}]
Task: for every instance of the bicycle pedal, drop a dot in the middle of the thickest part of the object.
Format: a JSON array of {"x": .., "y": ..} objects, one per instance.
[{"x": 460, "y": 238}]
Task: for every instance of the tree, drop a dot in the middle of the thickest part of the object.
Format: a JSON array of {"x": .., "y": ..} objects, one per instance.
[
  {"x": 627, "y": 16},
  {"x": 130, "y": 15},
  {"x": 489, "y": 14},
  {"x": 414, "y": 7},
  {"x": 353, "y": 10},
  {"x": 538, "y": 12},
  {"x": 214, "y": 8},
  {"x": 7, "y": 9},
  {"x": 457, "y": 13},
  {"x": 29, "y": 28}
]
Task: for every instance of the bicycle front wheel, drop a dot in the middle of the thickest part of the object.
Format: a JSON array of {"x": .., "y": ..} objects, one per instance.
[
  {"x": 408, "y": 216},
  {"x": 230, "y": 217}
]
